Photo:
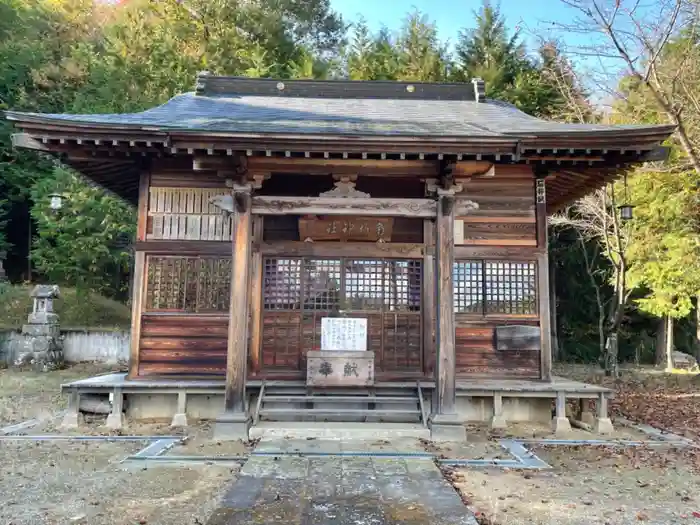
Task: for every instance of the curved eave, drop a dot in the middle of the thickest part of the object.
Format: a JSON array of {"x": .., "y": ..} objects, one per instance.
[{"x": 619, "y": 138}]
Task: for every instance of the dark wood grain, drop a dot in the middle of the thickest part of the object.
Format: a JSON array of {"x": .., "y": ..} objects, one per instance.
[
  {"x": 445, "y": 381},
  {"x": 237, "y": 349}
]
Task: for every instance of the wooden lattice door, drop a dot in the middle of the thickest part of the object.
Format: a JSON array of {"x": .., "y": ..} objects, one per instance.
[{"x": 299, "y": 292}]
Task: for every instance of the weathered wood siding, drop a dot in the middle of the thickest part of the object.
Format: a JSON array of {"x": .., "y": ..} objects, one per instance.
[
  {"x": 499, "y": 250},
  {"x": 395, "y": 340},
  {"x": 184, "y": 325},
  {"x": 183, "y": 345},
  {"x": 477, "y": 354}
]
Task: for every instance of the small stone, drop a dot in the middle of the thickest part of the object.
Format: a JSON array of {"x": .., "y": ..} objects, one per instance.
[
  {"x": 78, "y": 518},
  {"x": 587, "y": 502}
]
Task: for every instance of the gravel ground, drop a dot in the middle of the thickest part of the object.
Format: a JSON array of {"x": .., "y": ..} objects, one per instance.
[{"x": 586, "y": 486}]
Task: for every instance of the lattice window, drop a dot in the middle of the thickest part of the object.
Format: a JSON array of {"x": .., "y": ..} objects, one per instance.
[
  {"x": 342, "y": 284},
  {"x": 495, "y": 287},
  {"x": 282, "y": 284},
  {"x": 469, "y": 287},
  {"x": 188, "y": 284},
  {"x": 511, "y": 288}
]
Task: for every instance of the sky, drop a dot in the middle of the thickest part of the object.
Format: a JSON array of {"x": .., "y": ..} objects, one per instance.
[{"x": 452, "y": 15}]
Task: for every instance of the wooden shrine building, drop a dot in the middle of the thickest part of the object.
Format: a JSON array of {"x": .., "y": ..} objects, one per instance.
[{"x": 266, "y": 206}]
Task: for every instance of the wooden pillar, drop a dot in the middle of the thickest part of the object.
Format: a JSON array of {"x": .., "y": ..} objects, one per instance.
[
  {"x": 256, "y": 290},
  {"x": 428, "y": 297},
  {"x": 543, "y": 280},
  {"x": 234, "y": 423},
  {"x": 138, "y": 277},
  {"x": 445, "y": 424},
  {"x": 444, "y": 249}
]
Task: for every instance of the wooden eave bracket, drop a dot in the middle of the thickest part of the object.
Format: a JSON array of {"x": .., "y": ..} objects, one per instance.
[{"x": 26, "y": 141}]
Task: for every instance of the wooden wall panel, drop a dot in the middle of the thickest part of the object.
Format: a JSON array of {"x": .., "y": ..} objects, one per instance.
[
  {"x": 477, "y": 355},
  {"x": 186, "y": 214},
  {"x": 506, "y": 213},
  {"x": 182, "y": 345},
  {"x": 186, "y": 178},
  {"x": 396, "y": 340}
]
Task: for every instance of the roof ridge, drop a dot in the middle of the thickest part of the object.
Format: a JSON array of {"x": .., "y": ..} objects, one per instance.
[{"x": 208, "y": 85}]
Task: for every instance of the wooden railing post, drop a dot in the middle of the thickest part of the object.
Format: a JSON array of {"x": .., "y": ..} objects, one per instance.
[
  {"x": 544, "y": 302},
  {"x": 234, "y": 423},
  {"x": 445, "y": 423}
]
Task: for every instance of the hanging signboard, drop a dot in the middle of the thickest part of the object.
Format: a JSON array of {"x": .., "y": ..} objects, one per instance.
[{"x": 342, "y": 228}]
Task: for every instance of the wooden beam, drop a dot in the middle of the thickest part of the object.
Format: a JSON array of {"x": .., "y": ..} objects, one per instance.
[
  {"x": 519, "y": 253},
  {"x": 237, "y": 346},
  {"x": 167, "y": 247},
  {"x": 142, "y": 218},
  {"x": 363, "y": 167},
  {"x": 138, "y": 280},
  {"x": 415, "y": 208},
  {"x": 25, "y": 140},
  {"x": 543, "y": 281},
  {"x": 342, "y": 249},
  {"x": 445, "y": 377},
  {"x": 256, "y": 293},
  {"x": 138, "y": 283}
]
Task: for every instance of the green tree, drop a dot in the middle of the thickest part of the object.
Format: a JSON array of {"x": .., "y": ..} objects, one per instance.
[
  {"x": 489, "y": 51},
  {"x": 85, "y": 242},
  {"x": 413, "y": 53}
]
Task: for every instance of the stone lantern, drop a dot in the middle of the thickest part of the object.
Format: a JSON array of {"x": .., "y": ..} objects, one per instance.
[
  {"x": 42, "y": 311},
  {"x": 42, "y": 344}
]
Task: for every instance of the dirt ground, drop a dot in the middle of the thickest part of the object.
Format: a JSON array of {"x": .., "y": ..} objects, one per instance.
[
  {"x": 73, "y": 482},
  {"x": 25, "y": 394},
  {"x": 585, "y": 486},
  {"x": 67, "y": 482},
  {"x": 590, "y": 485},
  {"x": 47, "y": 483}
]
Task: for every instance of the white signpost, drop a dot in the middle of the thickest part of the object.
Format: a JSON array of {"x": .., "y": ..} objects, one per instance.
[
  {"x": 343, "y": 359},
  {"x": 343, "y": 334}
]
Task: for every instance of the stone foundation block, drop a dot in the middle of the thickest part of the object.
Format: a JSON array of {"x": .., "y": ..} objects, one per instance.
[
  {"x": 115, "y": 421},
  {"x": 447, "y": 428},
  {"x": 561, "y": 425},
  {"x": 603, "y": 425},
  {"x": 232, "y": 426}
]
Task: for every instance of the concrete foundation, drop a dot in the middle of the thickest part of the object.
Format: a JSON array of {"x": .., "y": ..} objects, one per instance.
[
  {"x": 165, "y": 406},
  {"x": 498, "y": 402},
  {"x": 209, "y": 406},
  {"x": 232, "y": 426},
  {"x": 447, "y": 427},
  {"x": 515, "y": 409}
]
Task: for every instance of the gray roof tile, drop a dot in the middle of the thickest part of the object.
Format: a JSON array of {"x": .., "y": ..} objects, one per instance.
[{"x": 329, "y": 116}]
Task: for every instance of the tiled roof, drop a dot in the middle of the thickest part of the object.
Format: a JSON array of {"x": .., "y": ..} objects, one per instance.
[{"x": 303, "y": 115}]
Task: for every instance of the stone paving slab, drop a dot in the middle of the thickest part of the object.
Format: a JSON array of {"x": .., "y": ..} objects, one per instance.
[{"x": 334, "y": 490}]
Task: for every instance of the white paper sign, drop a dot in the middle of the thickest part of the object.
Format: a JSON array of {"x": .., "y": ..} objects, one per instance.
[{"x": 344, "y": 334}]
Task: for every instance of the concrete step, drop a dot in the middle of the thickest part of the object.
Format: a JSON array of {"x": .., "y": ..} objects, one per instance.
[
  {"x": 338, "y": 431},
  {"x": 336, "y": 412},
  {"x": 338, "y": 398}
]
